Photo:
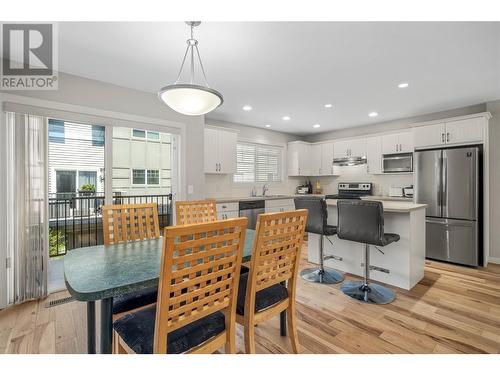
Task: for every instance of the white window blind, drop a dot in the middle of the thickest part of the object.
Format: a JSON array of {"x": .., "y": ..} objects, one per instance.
[{"x": 257, "y": 163}]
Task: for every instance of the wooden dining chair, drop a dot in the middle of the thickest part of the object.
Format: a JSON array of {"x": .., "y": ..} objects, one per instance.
[
  {"x": 193, "y": 212},
  {"x": 131, "y": 222},
  {"x": 196, "y": 309},
  {"x": 275, "y": 260}
]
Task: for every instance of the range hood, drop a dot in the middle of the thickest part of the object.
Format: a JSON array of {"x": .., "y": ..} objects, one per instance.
[{"x": 353, "y": 160}]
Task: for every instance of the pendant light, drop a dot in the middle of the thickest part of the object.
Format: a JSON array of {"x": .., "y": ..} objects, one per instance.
[{"x": 189, "y": 98}]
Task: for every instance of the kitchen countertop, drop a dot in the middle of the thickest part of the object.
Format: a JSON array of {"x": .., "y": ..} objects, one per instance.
[
  {"x": 387, "y": 198},
  {"x": 390, "y": 206},
  {"x": 267, "y": 197}
]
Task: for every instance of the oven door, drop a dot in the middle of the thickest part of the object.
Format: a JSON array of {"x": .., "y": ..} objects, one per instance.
[{"x": 397, "y": 163}]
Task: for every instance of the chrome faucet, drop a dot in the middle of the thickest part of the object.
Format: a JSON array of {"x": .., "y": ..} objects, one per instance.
[{"x": 265, "y": 189}]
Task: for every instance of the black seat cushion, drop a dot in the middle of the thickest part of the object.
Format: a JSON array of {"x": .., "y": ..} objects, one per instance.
[
  {"x": 317, "y": 213},
  {"x": 131, "y": 301},
  {"x": 330, "y": 230},
  {"x": 363, "y": 221},
  {"x": 137, "y": 330},
  {"x": 265, "y": 298},
  {"x": 390, "y": 238}
]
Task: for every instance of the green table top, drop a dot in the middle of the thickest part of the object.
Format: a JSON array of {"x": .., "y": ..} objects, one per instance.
[{"x": 97, "y": 272}]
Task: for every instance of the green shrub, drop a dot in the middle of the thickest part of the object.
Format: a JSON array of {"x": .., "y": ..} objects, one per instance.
[{"x": 57, "y": 242}]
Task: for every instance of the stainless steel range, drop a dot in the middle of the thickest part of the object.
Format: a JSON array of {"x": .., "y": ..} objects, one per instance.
[{"x": 352, "y": 190}]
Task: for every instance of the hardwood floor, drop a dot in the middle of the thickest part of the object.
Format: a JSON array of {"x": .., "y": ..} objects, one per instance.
[{"x": 452, "y": 310}]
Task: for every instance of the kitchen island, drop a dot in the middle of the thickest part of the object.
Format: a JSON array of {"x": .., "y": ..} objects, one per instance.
[{"x": 401, "y": 264}]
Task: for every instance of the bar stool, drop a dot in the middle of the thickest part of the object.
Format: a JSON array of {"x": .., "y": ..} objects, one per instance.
[
  {"x": 316, "y": 223},
  {"x": 363, "y": 221}
]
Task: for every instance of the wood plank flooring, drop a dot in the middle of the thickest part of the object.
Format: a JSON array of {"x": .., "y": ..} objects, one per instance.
[{"x": 452, "y": 310}]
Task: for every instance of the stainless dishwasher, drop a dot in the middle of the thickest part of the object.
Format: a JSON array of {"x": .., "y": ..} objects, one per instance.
[{"x": 251, "y": 210}]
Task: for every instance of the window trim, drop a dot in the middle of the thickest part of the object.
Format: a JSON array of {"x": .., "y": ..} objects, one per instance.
[{"x": 279, "y": 147}]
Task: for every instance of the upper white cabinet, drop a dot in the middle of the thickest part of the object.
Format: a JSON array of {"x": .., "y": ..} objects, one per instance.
[
  {"x": 349, "y": 148},
  {"x": 374, "y": 155},
  {"x": 469, "y": 130},
  {"x": 464, "y": 131},
  {"x": 322, "y": 159},
  {"x": 431, "y": 135},
  {"x": 299, "y": 159},
  {"x": 397, "y": 143},
  {"x": 220, "y": 151}
]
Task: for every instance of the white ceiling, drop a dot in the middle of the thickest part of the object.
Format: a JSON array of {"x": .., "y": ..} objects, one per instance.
[{"x": 294, "y": 68}]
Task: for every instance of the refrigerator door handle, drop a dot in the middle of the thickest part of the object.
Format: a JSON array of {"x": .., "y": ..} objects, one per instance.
[{"x": 444, "y": 187}]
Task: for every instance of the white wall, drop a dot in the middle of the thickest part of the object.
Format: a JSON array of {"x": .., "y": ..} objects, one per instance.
[
  {"x": 223, "y": 186},
  {"x": 494, "y": 108}
]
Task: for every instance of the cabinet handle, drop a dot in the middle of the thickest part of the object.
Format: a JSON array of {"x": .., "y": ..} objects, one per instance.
[
  {"x": 442, "y": 137},
  {"x": 447, "y": 137},
  {"x": 299, "y": 170}
]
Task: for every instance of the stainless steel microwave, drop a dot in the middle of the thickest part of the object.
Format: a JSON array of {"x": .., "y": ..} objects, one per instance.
[{"x": 397, "y": 163}]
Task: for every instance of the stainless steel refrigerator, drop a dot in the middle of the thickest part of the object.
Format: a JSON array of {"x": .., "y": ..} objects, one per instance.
[{"x": 449, "y": 182}]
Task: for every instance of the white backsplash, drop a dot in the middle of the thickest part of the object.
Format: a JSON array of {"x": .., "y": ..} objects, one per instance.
[
  {"x": 218, "y": 186},
  {"x": 222, "y": 186}
]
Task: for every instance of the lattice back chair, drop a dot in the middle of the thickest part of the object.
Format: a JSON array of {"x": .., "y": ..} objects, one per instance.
[
  {"x": 130, "y": 222},
  {"x": 196, "y": 309},
  {"x": 275, "y": 261},
  {"x": 194, "y": 212}
]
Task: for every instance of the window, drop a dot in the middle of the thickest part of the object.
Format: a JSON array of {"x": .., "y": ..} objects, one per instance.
[
  {"x": 153, "y": 177},
  {"x": 155, "y": 136},
  {"x": 257, "y": 163},
  {"x": 87, "y": 178},
  {"x": 98, "y": 135},
  {"x": 136, "y": 133},
  {"x": 56, "y": 131},
  {"x": 138, "y": 176},
  {"x": 65, "y": 181}
]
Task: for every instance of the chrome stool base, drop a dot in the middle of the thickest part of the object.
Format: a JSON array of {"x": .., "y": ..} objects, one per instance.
[
  {"x": 322, "y": 276},
  {"x": 369, "y": 293}
]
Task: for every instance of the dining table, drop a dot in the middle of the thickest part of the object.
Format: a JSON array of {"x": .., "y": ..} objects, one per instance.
[{"x": 99, "y": 273}]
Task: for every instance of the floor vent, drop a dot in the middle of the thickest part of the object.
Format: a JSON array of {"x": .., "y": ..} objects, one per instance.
[{"x": 59, "y": 301}]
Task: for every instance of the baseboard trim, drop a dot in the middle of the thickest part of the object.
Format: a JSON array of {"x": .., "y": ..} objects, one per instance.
[{"x": 494, "y": 260}]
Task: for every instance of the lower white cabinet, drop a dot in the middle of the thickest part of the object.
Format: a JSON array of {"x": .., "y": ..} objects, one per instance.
[
  {"x": 227, "y": 215},
  {"x": 279, "y": 205},
  {"x": 227, "y": 210}
]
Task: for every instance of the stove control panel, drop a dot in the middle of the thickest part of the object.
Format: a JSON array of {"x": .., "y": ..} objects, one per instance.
[{"x": 362, "y": 186}]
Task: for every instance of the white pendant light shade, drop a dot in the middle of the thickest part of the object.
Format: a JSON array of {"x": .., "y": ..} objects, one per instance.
[{"x": 191, "y": 100}]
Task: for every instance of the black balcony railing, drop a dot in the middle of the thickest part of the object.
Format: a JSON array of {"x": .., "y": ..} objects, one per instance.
[{"x": 75, "y": 219}]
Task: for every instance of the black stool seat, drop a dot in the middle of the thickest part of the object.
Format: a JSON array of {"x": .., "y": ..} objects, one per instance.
[
  {"x": 263, "y": 299},
  {"x": 317, "y": 218},
  {"x": 137, "y": 330},
  {"x": 131, "y": 301},
  {"x": 363, "y": 221}
]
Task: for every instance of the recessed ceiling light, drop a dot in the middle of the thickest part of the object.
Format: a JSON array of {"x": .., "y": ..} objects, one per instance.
[
  {"x": 328, "y": 106},
  {"x": 373, "y": 114},
  {"x": 286, "y": 118},
  {"x": 268, "y": 126},
  {"x": 247, "y": 108},
  {"x": 316, "y": 125},
  {"x": 403, "y": 85}
]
